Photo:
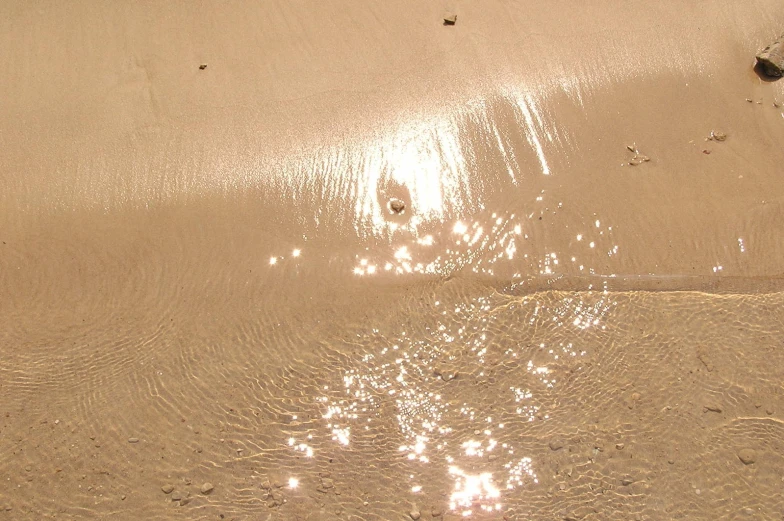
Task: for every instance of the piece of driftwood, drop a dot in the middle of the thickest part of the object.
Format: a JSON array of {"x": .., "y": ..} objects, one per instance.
[{"x": 771, "y": 58}]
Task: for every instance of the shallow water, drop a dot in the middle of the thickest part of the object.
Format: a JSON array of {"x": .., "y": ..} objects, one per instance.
[{"x": 301, "y": 393}]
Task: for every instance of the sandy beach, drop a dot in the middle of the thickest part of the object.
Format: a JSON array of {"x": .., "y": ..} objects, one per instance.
[{"x": 209, "y": 310}]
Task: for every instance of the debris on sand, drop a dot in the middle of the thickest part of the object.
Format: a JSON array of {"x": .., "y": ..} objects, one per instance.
[
  {"x": 747, "y": 456},
  {"x": 717, "y": 136},
  {"x": 771, "y": 58},
  {"x": 396, "y": 205},
  {"x": 167, "y": 489},
  {"x": 638, "y": 158},
  {"x": 202, "y": 66},
  {"x": 450, "y": 18},
  {"x": 133, "y": 440},
  {"x": 206, "y": 488},
  {"x": 415, "y": 515}
]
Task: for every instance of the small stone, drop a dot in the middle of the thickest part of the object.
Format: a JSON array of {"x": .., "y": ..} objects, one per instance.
[
  {"x": 556, "y": 444},
  {"x": 327, "y": 483},
  {"x": 436, "y": 512},
  {"x": 415, "y": 515},
  {"x": 561, "y": 486},
  {"x": 718, "y": 136},
  {"x": 185, "y": 501},
  {"x": 769, "y": 410},
  {"x": 619, "y": 446},
  {"x": 167, "y": 489},
  {"x": 202, "y": 66},
  {"x": 671, "y": 461},
  {"x": 176, "y": 495},
  {"x": 747, "y": 456},
  {"x": 28, "y": 468},
  {"x": 712, "y": 408},
  {"x": 365, "y": 503},
  {"x": 749, "y": 100},
  {"x": 450, "y": 19},
  {"x": 636, "y": 397},
  {"x": 123, "y": 497},
  {"x": 397, "y": 206},
  {"x": 627, "y": 481},
  {"x": 448, "y": 376},
  {"x": 133, "y": 440},
  {"x": 206, "y": 488}
]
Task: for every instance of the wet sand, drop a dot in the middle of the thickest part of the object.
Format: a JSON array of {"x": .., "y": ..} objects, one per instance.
[{"x": 202, "y": 282}]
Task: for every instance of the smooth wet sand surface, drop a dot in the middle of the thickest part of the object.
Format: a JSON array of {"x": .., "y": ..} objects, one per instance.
[{"x": 202, "y": 282}]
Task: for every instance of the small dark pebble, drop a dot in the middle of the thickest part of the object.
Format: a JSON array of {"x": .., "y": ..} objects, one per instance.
[
  {"x": 202, "y": 66},
  {"x": 397, "y": 206}
]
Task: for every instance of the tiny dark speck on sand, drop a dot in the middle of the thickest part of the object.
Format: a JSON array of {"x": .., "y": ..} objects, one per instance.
[{"x": 202, "y": 66}]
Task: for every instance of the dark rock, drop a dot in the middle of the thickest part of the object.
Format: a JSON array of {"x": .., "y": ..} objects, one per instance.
[{"x": 771, "y": 58}]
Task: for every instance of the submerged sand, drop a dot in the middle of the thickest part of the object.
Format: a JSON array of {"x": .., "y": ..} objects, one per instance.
[{"x": 202, "y": 282}]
